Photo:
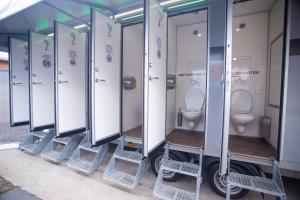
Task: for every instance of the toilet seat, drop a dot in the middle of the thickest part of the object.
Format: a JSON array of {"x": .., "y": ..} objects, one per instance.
[
  {"x": 194, "y": 100},
  {"x": 241, "y": 101}
]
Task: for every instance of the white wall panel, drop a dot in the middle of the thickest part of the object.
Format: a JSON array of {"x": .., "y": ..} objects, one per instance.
[
  {"x": 132, "y": 67},
  {"x": 106, "y": 77},
  {"x": 155, "y": 76},
  {"x": 70, "y": 73},
  {"x": 41, "y": 80},
  {"x": 19, "y": 91}
]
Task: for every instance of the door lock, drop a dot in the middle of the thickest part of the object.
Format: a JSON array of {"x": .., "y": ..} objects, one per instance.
[
  {"x": 16, "y": 83},
  {"x": 153, "y": 78},
  {"x": 97, "y": 80},
  {"x": 37, "y": 83},
  {"x": 61, "y": 82}
]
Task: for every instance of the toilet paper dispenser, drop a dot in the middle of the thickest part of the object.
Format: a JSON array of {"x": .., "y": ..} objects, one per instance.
[
  {"x": 129, "y": 82},
  {"x": 171, "y": 81}
]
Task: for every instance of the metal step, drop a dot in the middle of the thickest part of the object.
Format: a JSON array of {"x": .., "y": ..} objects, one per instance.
[
  {"x": 67, "y": 144},
  {"x": 163, "y": 191},
  {"x": 264, "y": 185},
  {"x": 37, "y": 141},
  {"x": 63, "y": 140},
  {"x": 130, "y": 156},
  {"x": 186, "y": 168},
  {"x": 173, "y": 193},
  {"x": 41, "y": 134},
  {"x": 97, "y": 154},
  {"x": 122, "y": 178},
  {"x": 254, "y": 183}
]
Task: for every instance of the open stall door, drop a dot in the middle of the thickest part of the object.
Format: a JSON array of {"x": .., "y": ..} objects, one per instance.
[
  {"x": 227, "y": 89},
  {"x": 155, "y": 73},
  {"x": 70, "y": 80},
  {"x": 105, "y": 78},
  {"x": 41, "y": 81},
  {"x": 18, "y": 82}
]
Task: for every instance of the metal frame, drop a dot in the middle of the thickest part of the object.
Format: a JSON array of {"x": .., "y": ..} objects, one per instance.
[
  {"x": 56, "y": 53},
  {"x": 145, "y": 84},
  {"x": 263, "y": 185},
  {"x": 167, "y": 192},
  {"x": 12, "y": 124},
  {"x": 227, "y": 88}
]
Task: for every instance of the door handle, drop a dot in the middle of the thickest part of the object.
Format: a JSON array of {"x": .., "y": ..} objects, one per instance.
[
  {"x": 37, "y": 83},
  {"x": 61, "y": 82},
  {"x": 97, "y": 80},
  {"x": 153, "y": 78},
  {"x": 16, "y": 83}
]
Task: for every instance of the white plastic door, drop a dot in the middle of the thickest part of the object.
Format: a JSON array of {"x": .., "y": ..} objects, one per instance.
[
  {"x": 41, "y": 81},
  {"x": 18, "y": 82},
  {"x": 70, "y": 79},
  {"x": 154, "y": 76},
  {"x": 227, "y": 90},
  {"x": 105, "y": 80}
]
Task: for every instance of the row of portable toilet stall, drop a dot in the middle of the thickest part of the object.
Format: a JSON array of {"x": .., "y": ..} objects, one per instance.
[
  {"x": 68, "y": 87},
  {"x": 73, "y": 101}
]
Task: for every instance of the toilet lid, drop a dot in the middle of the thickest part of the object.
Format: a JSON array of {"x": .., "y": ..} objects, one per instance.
[
  {"x": 241, "y": 101},
  {"x": 194, "y": 99}
]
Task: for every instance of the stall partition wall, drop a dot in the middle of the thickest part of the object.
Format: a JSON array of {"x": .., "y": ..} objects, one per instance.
[
  {"x": 41, "y": 81},
  {"x": 154, "y": 76},
  {"x": 18, "y": 82},
  {"x": 290, "y": 138},
  {"x": 132, "y": 67},
  {"x": 70, "y": 80},
  {"x": 275, "y": 48},
  {"x": 106, "y": 78}
]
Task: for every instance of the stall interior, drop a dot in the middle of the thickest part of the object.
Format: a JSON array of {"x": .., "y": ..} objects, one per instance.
[
  {"x": 186, "y": 79},
  {"x": 257, "y": 36},
  {"x": 132, "y": 81}
]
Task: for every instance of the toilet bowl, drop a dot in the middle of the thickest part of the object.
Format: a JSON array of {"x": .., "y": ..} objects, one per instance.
[
  {"x": 194, "y": 100},
  {"x": 241, "y": 106}
]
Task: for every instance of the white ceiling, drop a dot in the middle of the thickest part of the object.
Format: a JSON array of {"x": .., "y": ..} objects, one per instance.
[
  {"x": 251, "y": 7},
  {"x": 190, "y": 18},
  {"x": 243, "y": 8}
]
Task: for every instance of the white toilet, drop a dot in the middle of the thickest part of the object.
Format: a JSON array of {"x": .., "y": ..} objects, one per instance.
[
  {"x": 194, "y": 100},
  {"x": 241, "y": 106}
]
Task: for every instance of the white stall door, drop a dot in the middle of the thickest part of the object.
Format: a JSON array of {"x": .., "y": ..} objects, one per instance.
[
  {"x": 18, "y": 82},
  {"x": 41, "y": 81},
  {"x": 106, "y": 74},
  {"x": 70, "y": 73},
  {"x": 155, "y": 79}
]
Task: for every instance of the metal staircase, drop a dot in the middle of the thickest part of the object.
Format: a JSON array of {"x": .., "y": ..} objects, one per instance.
[
  {"x": 59, "y": 149},
  {"x": 163, "y": 191},
  {"x": 263, "y": 185},
  {"x": 37, "y": 141},
  {"x": 125, "y": 179},
  {"x": 86, "y": 158}
]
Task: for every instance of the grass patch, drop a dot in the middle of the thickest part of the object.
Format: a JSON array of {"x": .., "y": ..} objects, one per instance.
[{"x": 5, "y": 185}]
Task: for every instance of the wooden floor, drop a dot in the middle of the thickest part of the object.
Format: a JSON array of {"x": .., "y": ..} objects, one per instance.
[
  {"x": 186, "y": 138},
  {"x": 135, "y": 133},
  {"x": 251, "y": 146},
  {"x": 258, "y": 147}
]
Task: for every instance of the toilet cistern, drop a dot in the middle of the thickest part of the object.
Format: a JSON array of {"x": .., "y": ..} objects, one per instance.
[
  {"x": 241, "y": 106},
  {"x": 194, "y": 100}
]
